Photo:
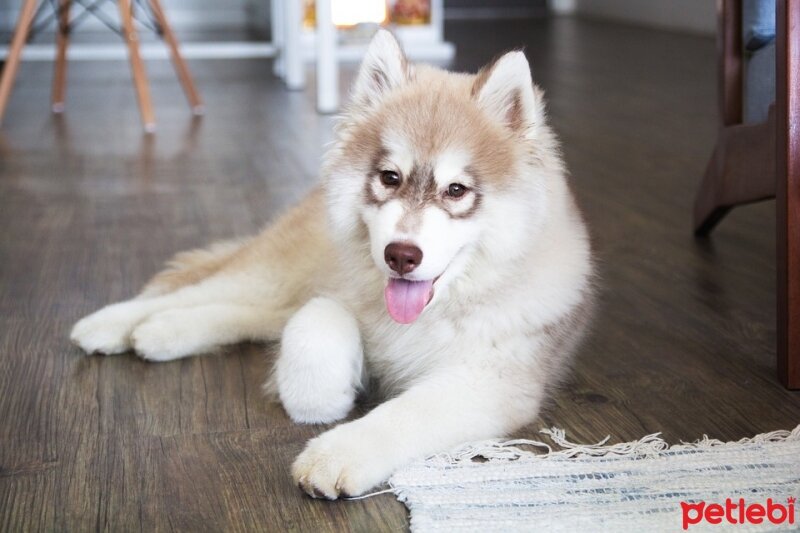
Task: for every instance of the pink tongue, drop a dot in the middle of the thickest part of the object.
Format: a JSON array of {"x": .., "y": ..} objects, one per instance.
[{"x": 406, "y": 299}]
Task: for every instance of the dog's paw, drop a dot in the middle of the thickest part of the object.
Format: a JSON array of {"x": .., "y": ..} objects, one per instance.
[
  {"x": 318, "y": 372},
  {"x": 340, "y": 463},
  {"x": 309, "y": 401},
  {"x": 168, "y": 335},
  {"x": 106, "y": 331}
]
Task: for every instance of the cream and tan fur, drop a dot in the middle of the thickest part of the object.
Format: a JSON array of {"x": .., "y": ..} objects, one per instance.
[{"x": 464, "y": 170}]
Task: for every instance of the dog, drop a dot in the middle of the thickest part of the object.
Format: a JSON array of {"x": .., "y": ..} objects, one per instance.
[{"x": 442, "y": 256}]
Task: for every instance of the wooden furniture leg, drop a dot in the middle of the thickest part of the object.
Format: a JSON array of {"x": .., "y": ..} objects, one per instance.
[
  {"x": 137, "y": 66},
  {"x": 759, "y": 161},
  {"x": 60, "y": 68},
  {"x": 14, "y": 54},
  {"x": 741, "y": 171},
  {"x": 742, "y": 168},
  {"x": 709, "y": 207},
  {"x": 787, "y": 78},
  {"x": 177, "y": 59}
]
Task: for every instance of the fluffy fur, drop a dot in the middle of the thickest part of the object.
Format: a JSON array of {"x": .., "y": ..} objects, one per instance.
[{"x": 506, "y": 252}]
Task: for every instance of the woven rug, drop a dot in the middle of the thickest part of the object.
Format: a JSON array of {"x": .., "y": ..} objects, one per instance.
[{"x": 646, "y": 485}]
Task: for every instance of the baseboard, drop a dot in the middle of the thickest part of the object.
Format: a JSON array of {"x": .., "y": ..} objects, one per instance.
[{"x": 493, "y": 13}]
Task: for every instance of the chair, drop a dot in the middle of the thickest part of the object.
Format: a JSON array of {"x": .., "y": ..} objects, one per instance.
[
  {"x": 757, "y": 155},
  {"x": 28, "y": 16}
]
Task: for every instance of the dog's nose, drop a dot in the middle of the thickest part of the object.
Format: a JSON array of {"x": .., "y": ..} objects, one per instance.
[{"x": 402, "y": 257}]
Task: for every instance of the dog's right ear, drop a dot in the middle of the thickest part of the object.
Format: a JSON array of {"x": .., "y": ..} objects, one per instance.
[
  {"x": 504, "y": 89},
  {"x": 384, "y": 68}
]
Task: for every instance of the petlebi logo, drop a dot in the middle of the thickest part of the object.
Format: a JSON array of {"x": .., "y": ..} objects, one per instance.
[{"x": 737, "y": 512}]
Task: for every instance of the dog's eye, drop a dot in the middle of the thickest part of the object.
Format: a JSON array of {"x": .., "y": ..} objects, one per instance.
[
  {"x": 390, "y": 178},
  {"x": 456, "y": 190}
]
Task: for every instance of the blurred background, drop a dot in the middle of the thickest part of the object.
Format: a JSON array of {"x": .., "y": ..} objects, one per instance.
[{"x": 240, "y": 16}]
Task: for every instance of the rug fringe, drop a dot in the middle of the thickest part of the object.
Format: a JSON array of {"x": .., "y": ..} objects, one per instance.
[{"x": 648, "y": 446}]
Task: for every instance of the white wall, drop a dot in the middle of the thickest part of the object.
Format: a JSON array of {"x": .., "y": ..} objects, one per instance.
[{"x": 696, "y": 16}]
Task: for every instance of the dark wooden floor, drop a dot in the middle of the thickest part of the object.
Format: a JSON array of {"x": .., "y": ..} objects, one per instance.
[{"x": 684, "y": 343}]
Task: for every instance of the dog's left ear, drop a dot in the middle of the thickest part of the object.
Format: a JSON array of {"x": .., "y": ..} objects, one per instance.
[
  {"x": 504, "y": 89},
  {"x": 384, "y": 68}
]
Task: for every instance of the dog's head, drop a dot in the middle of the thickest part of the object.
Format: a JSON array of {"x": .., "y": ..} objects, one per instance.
[{"x": 435, "y": 170}]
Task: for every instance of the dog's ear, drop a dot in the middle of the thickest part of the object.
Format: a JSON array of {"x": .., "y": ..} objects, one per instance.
[
  {"x": 384, "y": 68},
  {"x": 505, "y": 90}
]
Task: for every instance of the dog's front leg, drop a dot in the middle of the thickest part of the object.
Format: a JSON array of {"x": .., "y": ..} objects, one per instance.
[
  {"x": 318, "y": 372},
  {"x": 434, "y": 415}
]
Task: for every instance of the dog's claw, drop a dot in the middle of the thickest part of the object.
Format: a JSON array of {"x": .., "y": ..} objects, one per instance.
[
  {"x": 313, "y": 491},
  {"x": 317, "y": 493}
]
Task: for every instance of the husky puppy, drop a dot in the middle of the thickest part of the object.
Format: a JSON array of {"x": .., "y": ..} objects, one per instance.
[{"x": 442, "y": 257}]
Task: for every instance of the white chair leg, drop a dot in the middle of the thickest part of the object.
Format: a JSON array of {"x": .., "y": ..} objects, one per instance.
[
  {"x": 327, "y": 65},
  {"x": 278, "y": 40},
  {"x": 295, "y": 75}
]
